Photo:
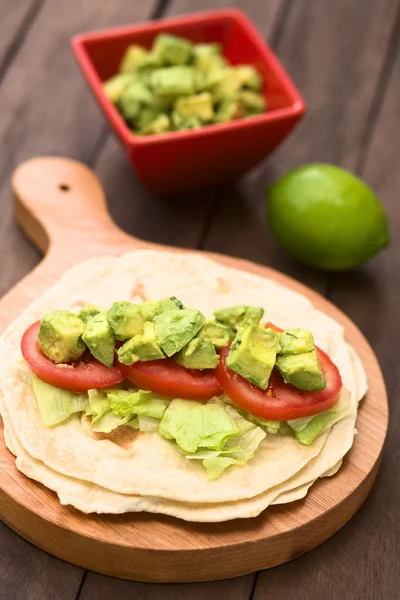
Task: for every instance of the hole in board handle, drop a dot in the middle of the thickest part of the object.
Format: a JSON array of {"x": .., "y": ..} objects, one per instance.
[{"x": 64, "y": 187}]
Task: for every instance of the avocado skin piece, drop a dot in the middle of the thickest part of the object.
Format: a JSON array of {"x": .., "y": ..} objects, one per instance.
[
  {"x": 99, "y": 339},
  {"x": 59, "y": 336},
  {"x": 217, "y": 333},
  {"x": 87, "y": 312},
  {"x": 142, "y": 347},
  {"x": 237, "y": 316},
  {"x": 199, "y": 353},
  {"x": 302, "y": 370},
  {"x": 253, "y": 354},
  {"x": 152, "y": 308},
  {"x": 175, "y": 328},
  {"x": 125, "y": 320},
  {"x": 296, "y": 341}
]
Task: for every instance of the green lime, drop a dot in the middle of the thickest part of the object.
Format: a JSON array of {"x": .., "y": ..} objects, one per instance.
[{"x": 326, "y": 217}]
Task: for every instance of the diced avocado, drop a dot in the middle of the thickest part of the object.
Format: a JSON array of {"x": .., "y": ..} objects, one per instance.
[
  {"x": 98, "y": 338},
  {"x": 87, "y": 312},
  {"x": 228, "y": 86},
  {"x": 217, "y": 333},
  {"x": 205, "y": 82},
  {"x": 160, "y": 124},
  {"x": 60, "y": 336},
  {"x": 171, "y": 82},
  {"x": 136, "y": 57},
  {"x": 228, "y": 110},
  {"x": 175, "y": 328},
  {"x": 208, "y": 57},
  {"x": 172, "y": 49},
  {"x": 115, "y": 86},
  {"x": 152, "y": 308},
  {"x": 253, "y": 103},
  {"x": 302, "y": 370},
  {"x": 253, "y": 354},
  {"x": 249, "y": 77},
  {"x": 181, "y": 123},
  {"x": 199, "y": 353},
  {"x": 296, "y": 341},
  {"x": 199, "y": 105},
  {"x": 147, "y": 116},
  {"x": 143, "y": 346},
  {"x": 133, "y": 99},
  {"x": 125, "y": 320},
  {"x": 237, "y": 316}
]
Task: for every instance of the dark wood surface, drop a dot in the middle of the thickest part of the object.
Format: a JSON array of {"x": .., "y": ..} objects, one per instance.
[{"x": 345, "y": 58}]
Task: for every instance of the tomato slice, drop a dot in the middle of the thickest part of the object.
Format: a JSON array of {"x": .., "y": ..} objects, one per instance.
[
  {"x": 280, "y": 401},
  {"x": 166, "y": 377},
  {"x": 81, "y": 376}
]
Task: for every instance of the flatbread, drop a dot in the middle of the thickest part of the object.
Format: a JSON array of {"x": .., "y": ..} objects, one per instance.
[{"x": 150, "y": 473}]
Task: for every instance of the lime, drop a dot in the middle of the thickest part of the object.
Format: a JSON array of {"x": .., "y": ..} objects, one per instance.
[{"x": 326, "y": 217}]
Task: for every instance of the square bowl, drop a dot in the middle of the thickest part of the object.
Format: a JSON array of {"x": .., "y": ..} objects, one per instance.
[{"x": 215, "y": 154}]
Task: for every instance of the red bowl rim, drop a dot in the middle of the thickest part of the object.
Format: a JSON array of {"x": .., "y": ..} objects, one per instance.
[{"x": 297, "y": 109}]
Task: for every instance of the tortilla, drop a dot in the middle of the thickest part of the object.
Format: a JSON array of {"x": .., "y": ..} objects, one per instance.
[{"x": 151, "y": 474}]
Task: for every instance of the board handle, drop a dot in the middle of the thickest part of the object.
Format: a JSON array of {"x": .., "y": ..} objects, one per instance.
[
  {"x": 60, "y": 201},
  {"x": 61, "y": 206}
]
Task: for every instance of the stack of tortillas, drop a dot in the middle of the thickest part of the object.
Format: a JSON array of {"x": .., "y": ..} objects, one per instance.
[{"x": 145, "y": 472}]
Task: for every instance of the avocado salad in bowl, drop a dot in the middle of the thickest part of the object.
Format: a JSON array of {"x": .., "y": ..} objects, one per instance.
[{"x": 168, "y": 383}]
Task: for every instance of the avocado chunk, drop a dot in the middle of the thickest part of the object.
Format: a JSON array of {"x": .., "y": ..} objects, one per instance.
[
  {"x": 175, "y": 328},
  {"x": 199, "y": 353},
  {"x": 296, "y": 341},
  {"x": 237, "y": 316},
  {"x": 217, "y": 333},
  {"x": 228, "y": 110},
  {"x": 160, "y": 124},
  {"x": 172, "y": 49},
  {"x": 125, "y": 320},
  {"x": 252, "y": 103},
  {"x": 133, "y": 99},
  {"x": 60, "y": 336},
  {"x": 87, "y": 312},
  {"x": 98, "y": 338},
  {"x": 137, "y": 57},
  {"x": 302, "y": 370},
  {"x": 229, "y": 84},
  {"x": 115, "y": 86},
  {"x": 249, "y": 77},
  {"x": 172, "y": 82},
  {"x": 180, "y": 123},
  {"x": 152, "y": 308},
  {"x": 208, "y": 57},
  {"x": 253, "y": 354},
  {"x": 200, "y": 106},
  {"x": 143, "y": 346}
]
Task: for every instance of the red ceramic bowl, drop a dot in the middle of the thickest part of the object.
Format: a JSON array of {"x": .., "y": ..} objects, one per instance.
[{"x": 215, "y": 154}]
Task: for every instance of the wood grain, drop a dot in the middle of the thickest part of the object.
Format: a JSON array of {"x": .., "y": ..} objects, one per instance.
[{"x": 61, "y": 206}]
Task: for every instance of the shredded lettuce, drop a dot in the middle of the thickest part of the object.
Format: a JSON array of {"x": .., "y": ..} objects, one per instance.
[
  {"x": 193, "y": 425},
  {"x": 57, "y": 405},
  {"x": 214, "y": 433},
  {"x": 307, "y": 429},
  {"x": 112, "y": 408},
  {"x": 127, "y": 403}
]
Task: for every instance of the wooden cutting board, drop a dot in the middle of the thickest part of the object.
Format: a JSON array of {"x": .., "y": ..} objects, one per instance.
[{"x": 61, "y": 207}]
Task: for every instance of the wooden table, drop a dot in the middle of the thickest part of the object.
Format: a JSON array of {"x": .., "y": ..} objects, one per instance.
[{"x": 345, "y": 58}]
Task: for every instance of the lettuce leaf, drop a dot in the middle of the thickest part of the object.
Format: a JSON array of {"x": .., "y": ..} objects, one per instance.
[
  {"x": 57, "y": 405},
  {"x": 193, "y": 425},
  {"x": 127, "y": 403},
  {"x": 190, "y": 426},
  {"x": 307, "y": 429}
]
